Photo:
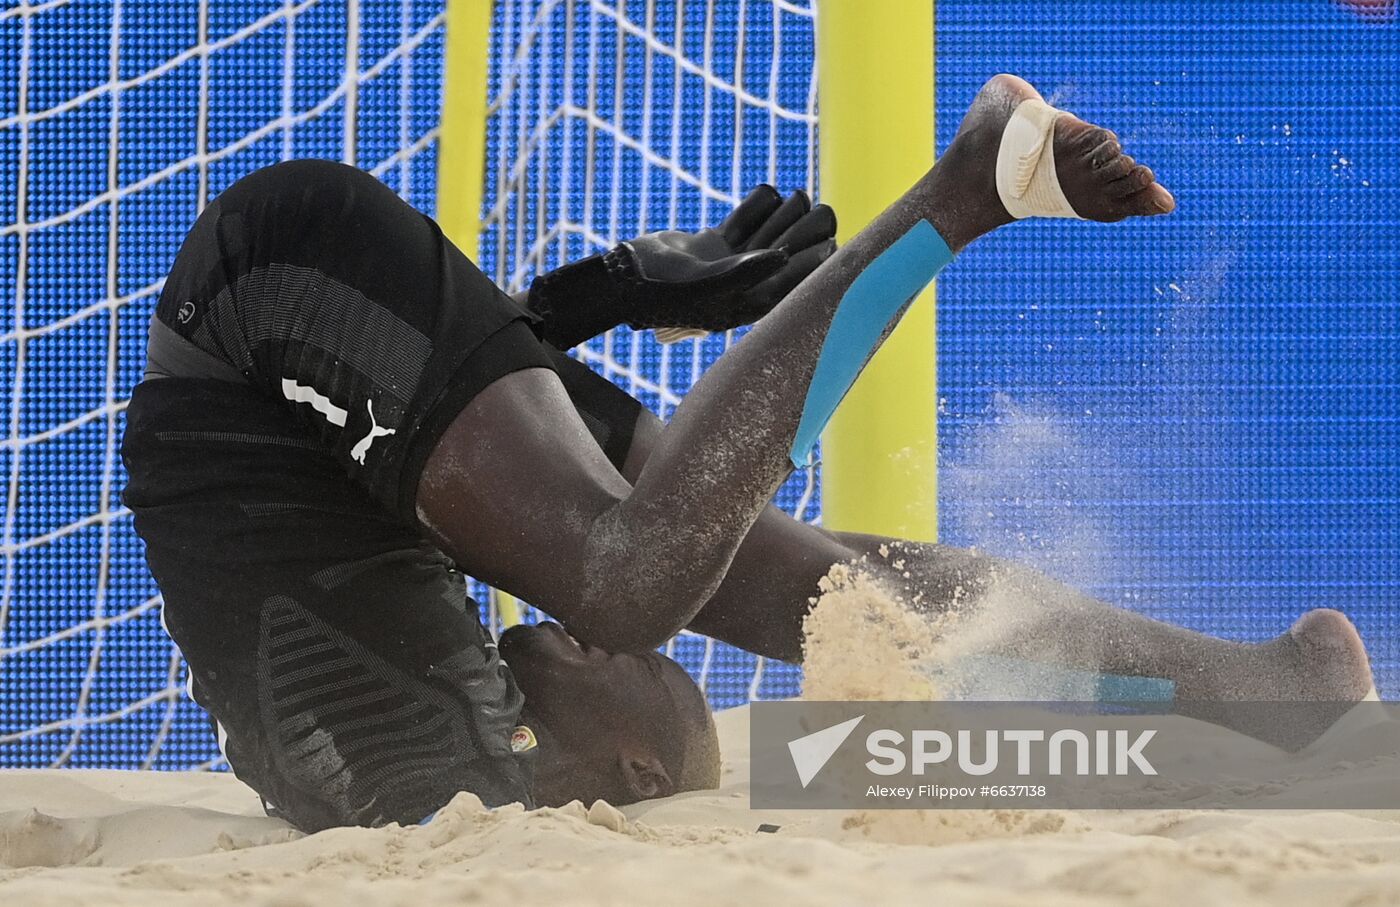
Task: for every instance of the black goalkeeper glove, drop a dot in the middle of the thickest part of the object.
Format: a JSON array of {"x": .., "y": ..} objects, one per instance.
[{"x": 684, "y": 284}]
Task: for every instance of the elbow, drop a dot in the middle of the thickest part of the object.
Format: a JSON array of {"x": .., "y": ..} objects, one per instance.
[
  {"x": 622, "y": 625},
  {"x": 634, "y": 598}
]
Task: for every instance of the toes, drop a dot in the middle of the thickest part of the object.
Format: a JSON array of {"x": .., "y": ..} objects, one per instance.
[
  {"x": 1138, "y": 179},
  {"x": 1107, "y": 153},
  {"x": 1115, "y": 169},
  {"x": 1153, "y": 200},
  {"x": 1092, "y": 138},
  {"x": 1100, "y": 181},
  {"x": 1159, "y": 199}
]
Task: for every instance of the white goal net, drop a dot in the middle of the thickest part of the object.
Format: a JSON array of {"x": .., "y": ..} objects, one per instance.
[
  {"x": 612, "y": 119},
  {"x": 120, "y": 119}
]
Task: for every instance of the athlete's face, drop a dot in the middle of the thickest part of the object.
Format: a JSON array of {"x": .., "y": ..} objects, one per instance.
[{"x": 617, "y": 727}]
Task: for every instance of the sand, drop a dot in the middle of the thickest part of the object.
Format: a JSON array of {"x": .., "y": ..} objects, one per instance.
[
  {"x": 149, "y": 839},
  {"x": 144, "y": 838}
]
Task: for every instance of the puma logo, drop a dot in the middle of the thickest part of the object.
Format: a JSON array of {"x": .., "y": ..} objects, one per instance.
[{"x": 361, "y": 449}]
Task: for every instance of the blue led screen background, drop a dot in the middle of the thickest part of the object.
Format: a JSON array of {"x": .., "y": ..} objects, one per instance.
[{"x": 1196, "y": 417}]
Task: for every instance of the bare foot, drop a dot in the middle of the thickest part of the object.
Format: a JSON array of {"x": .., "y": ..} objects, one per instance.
[
  {"x": 1323, "y": 659},
  {"x": 1100, "y": 182},
  {"x": 1320, "y": 665}
]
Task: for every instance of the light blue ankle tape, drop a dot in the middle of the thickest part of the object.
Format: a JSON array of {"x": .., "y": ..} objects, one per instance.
[{"x": 871, "y": 302}]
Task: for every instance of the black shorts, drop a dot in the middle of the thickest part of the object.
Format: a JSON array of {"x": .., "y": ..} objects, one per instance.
[{"x": 336, "y": 649}]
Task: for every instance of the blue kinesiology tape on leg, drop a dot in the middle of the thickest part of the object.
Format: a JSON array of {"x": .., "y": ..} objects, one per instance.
[
  {"x": 992, "y": 676},
  {"x": 1121, "y": 688},
  {"x": 865, "y": 311}
]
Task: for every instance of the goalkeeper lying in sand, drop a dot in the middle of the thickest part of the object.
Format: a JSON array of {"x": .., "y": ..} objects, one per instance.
[{"x": 342, "y": 416}]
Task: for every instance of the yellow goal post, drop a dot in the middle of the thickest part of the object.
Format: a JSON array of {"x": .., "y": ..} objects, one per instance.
[{"x": 876, "y": 105}]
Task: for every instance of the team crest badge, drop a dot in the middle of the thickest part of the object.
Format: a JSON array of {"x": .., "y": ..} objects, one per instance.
[{"x": 522, "y": 740}]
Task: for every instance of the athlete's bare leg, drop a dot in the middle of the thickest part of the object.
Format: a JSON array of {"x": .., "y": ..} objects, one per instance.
[
  {"x": 764, "y": 597},
  {"x": 519, "y": 495}
]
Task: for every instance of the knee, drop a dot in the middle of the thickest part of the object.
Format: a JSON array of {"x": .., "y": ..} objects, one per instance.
[
  {"x": 297, "y": 175},
  {"x": 289, "y": 186},
  {"x": 948, "y": 575},
  {"x": 328, "y": 216}
]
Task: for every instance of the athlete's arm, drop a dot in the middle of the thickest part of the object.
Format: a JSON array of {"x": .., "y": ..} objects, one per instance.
[{"x": 683, "y": 284}]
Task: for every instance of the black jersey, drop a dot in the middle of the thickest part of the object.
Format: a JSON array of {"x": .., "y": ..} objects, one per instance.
[{"x": 314, "y": 340}]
